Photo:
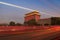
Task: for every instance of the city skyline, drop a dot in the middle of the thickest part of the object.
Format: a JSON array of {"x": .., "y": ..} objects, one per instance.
[{"x": 47, "y": 8}]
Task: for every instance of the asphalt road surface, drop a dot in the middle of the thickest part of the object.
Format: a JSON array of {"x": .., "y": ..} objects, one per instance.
[{"x": 47, "y": 34}]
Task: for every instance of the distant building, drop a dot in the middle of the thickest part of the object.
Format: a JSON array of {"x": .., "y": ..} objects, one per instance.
[
  {"x": 32, "y": 17},
  {"x": 50, "y": 21}
]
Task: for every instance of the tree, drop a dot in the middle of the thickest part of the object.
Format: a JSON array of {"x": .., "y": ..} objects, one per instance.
[{"x": 12, "y": 23}]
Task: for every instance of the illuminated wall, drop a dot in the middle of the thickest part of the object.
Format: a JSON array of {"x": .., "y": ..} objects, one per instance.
[{"x": 32, "y": 15}]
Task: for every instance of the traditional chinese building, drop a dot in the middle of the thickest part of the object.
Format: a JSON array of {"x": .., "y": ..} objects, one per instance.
[{"x": 32, "y": 17}]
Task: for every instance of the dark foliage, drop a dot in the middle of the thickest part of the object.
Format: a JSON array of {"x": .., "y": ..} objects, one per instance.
[{"x": 12, "y": 23}]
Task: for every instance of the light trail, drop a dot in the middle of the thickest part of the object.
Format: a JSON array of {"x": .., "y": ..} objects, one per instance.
[{"x": 16, "y": 6}]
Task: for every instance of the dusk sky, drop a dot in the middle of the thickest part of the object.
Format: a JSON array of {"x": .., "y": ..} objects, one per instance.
[{"x": 47, "y": 8}]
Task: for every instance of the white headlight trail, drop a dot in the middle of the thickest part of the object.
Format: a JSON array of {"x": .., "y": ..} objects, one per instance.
[{"x": 16, "y": 6}]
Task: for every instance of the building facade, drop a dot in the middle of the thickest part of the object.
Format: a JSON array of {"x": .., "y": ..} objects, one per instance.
[
  {"x": 50, "y": 21},
  {"x": 31, "y": 18}
]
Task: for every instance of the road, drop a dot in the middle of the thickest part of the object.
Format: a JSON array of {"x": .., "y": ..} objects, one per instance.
[{"x": 47, "y": 34}]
